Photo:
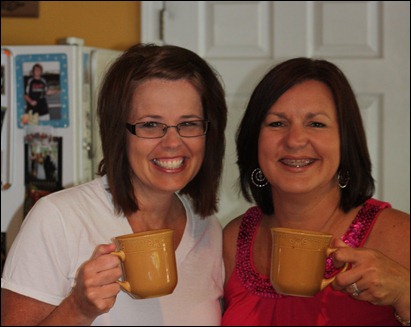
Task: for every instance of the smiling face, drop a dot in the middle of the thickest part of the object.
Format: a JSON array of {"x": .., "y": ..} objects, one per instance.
[
  {"x": 168, "y": 163},
  {"x": 37, "y": 72},
  {"x": 299, "y": 143}
]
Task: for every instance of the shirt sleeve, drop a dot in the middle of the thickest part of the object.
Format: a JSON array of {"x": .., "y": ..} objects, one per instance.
[{"x": 38, "y": 263}]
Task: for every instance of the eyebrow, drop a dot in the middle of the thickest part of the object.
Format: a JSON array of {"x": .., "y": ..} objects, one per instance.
[
  {"x": 309, "y": 115},
  {"x": 157, "y": 117}
]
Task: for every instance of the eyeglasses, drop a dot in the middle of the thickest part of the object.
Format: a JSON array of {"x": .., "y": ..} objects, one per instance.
[{"x": 154, "y": 130}]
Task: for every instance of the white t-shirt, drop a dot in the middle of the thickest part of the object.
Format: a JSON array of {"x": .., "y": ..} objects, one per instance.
[{"x": 61, "y": 232}]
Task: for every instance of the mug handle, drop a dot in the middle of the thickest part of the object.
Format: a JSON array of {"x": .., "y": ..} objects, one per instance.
[
  {"x": 327, "y": 281},
  {"x": 123, "y": 284}
]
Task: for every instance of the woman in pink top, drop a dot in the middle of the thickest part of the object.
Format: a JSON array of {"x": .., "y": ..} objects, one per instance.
[{"x": 304, "y": 162}]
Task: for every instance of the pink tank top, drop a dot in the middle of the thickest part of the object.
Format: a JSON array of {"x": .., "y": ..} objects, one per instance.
[{"x": 250, "y": 299}]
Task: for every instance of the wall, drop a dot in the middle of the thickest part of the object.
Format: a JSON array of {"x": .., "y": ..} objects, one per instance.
[{"x": 106, "y": 24}]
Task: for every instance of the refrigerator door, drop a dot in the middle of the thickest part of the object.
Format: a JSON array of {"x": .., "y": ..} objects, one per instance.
[
  {"x": 100, "y": 61},
  {"x": 33, "y": 165},
  {"x": 59, "y": 65},
  {"x": 70, "y": 76}
]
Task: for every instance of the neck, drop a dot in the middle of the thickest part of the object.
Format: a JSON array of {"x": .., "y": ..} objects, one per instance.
[
  {"x": 305, "y": 211},
  {"x": 166, "y": 212}
]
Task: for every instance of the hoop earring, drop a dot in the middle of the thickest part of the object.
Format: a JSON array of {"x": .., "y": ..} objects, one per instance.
[
  {"x": 343, "y": 179},
  {"x": 258, "y": 179}
]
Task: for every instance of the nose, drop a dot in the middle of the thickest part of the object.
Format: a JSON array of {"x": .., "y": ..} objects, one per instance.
[
  {"x": 171, "y": 138},
  {"x": 171, "y": 126},
  {"x": 296, "y": 137}
]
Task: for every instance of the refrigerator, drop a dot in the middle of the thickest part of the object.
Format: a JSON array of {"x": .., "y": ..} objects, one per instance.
[{"x": 49, "y": 131}]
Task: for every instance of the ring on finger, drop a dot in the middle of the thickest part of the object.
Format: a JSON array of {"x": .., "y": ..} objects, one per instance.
[{"x": 356, "y": 291}]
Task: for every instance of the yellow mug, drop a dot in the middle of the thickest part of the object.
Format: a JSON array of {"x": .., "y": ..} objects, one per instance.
[
  {"x": 298, "y": 259},
  {"x": 148, "y": 263}
]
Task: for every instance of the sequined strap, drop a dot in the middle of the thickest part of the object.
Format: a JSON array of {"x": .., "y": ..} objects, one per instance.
[
  {"x": 359, "y": 229},
  {"x": 260, "y": 285},
  {"x": 254, "y": 282}
]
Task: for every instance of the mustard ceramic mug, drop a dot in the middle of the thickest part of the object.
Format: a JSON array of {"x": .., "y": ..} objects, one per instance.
[
  {"x": 148, "y": 263},
  {"x": 298, "y": 260}
]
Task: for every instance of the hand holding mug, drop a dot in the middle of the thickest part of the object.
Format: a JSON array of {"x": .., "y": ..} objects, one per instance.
[{"x": 97, "y": 277}]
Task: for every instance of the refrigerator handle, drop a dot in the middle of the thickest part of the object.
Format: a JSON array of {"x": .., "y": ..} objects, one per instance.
[
  {"x": 9, "y": 130},
  {"x": 8, "y": 173}
]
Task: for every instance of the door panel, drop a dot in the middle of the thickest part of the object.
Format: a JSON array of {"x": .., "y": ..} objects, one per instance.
[{"x": 368, "y": 40}]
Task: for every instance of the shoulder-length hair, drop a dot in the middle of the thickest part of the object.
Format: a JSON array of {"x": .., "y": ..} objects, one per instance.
[
  {"x": 354, "y": 153},
  {"x": 136, "y": 65}
]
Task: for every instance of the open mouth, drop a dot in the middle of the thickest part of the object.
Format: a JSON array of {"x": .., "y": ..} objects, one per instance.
[
  {"x": 297, "y": 163},
  {"x": 169, "y": 164}
]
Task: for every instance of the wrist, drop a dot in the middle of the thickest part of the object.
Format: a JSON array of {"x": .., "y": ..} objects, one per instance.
[{"x": 402, "y": 321}]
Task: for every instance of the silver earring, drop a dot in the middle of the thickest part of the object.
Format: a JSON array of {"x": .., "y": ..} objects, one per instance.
[
  {"x": 258, "y": 179},
  {"x": 343, "y": 179}
]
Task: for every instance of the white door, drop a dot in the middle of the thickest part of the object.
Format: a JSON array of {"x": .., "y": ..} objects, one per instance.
[{"x": 368, "y": 40}]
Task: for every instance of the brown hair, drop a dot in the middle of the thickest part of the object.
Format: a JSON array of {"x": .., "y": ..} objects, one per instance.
[
  {"x": 353, "y": 152},
  {"x": 37, "y": 65},
  {"x": 137, "y": 64}
]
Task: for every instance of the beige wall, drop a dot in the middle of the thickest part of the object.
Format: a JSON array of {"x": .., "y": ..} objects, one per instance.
[{"x": 106, "y": 24}]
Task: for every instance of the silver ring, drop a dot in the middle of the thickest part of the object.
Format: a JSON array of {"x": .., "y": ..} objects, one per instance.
[{"x": 356, "y": 291}]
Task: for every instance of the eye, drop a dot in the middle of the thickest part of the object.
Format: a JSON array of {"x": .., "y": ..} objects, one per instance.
[
  {"x": 316, "y": 124},
  {"x": 190, "y": 123},
  {"x": 151, "y": 124},
  {"x": 276, "y": 124}
]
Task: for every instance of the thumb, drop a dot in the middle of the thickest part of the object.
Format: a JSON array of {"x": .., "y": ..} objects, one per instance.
[{"x": 338, "y": 243}]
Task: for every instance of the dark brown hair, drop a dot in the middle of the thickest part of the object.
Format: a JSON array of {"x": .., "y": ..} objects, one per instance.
[
  {"x": 140, "y": 63},
  {"x": 38, "y": 65},
  {"x": 353, "y": 149}
]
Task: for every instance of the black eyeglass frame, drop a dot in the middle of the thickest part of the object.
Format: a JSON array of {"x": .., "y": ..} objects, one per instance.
[{"x": 132, "y": 128}]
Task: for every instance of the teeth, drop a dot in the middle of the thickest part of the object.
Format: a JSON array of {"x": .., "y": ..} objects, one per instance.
[
  {"x": 297, "y": 163},
  {"x": 169, "y": 164}
]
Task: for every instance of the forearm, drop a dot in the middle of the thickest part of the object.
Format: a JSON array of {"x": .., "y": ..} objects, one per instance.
[
  {"x": 30, "y": 100},
  {"x": 67, "y": 313},
  {"x": 20, "y": 310}
]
